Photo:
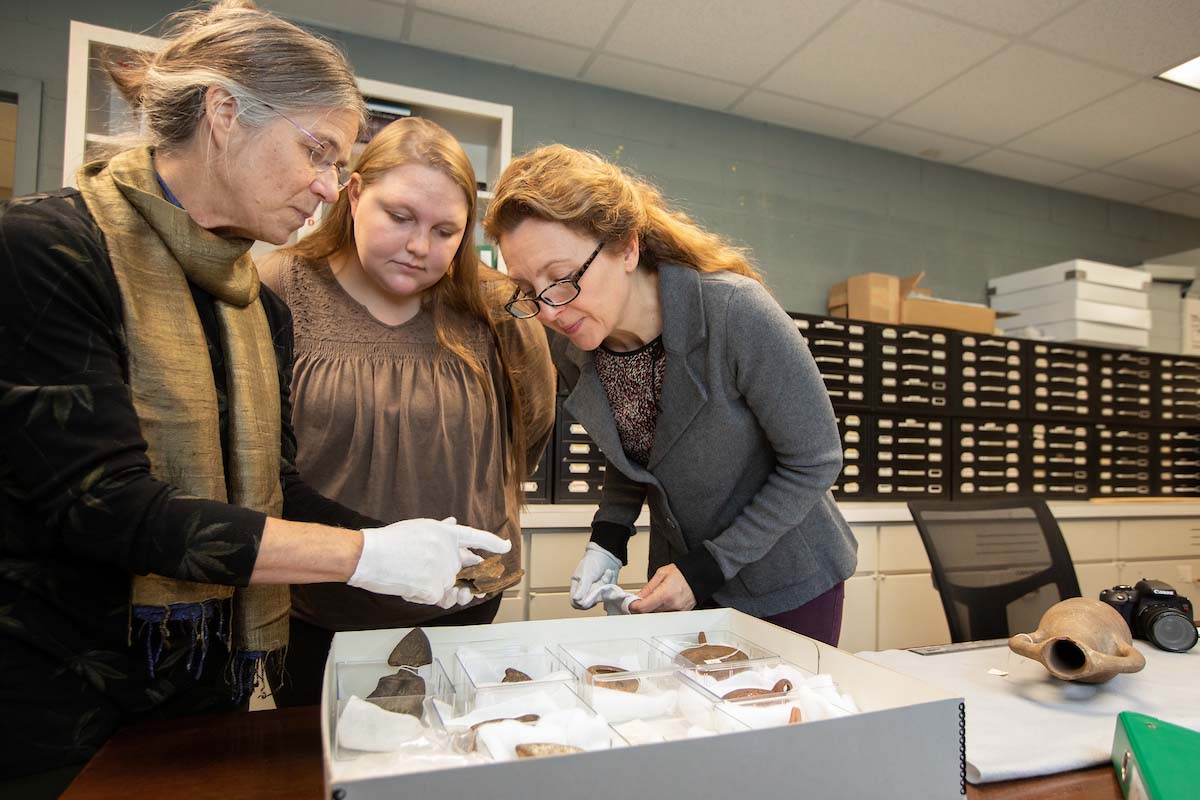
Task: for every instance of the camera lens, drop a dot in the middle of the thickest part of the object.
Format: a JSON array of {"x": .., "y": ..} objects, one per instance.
[{"x": 1168, "y": 629}]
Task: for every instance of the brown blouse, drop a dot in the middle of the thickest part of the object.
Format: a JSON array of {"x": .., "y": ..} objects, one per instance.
[{"x": 387, "y": 428}]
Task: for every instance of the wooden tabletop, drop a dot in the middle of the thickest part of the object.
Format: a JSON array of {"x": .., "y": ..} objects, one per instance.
[
  {"x": 277, "y": 754},
  {"x": 263, "y": 755}
]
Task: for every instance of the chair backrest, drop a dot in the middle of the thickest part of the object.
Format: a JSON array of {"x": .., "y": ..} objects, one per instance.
[{"x": 998, "y": 564}]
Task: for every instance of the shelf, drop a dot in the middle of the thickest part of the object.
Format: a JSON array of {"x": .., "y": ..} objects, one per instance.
[{"x": 561, "y": 515}]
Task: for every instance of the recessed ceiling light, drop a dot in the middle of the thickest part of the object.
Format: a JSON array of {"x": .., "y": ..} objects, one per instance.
[{"x": 1186, "y": 74}]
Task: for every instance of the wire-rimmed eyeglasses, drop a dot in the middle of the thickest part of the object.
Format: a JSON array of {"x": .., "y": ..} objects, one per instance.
[
  {"x": 556, "y": 294},
  {"x": 321, "y": 154}
]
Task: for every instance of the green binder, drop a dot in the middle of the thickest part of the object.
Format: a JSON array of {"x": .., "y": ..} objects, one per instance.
[{"x": 1155, "y": 759}]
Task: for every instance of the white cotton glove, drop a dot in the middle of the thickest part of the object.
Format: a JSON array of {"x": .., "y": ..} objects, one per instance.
[
  {"x": 419, "y": 559},
  {"x": 616, "y": 600},
  {"x": 590, "y": 571}
]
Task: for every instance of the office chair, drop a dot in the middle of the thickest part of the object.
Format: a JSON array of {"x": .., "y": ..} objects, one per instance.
[{"x": 998, "y": 564}]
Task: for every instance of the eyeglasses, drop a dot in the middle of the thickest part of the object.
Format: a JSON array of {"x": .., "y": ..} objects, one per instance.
[
  {"x": 556, "y": 294},
  {"x": 321, "y": 155}
]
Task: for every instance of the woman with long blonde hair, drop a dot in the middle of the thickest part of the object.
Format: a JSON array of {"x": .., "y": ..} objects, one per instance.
[
  {"x": 413, "y": 392},
  {"x": 695, "y": 385}
]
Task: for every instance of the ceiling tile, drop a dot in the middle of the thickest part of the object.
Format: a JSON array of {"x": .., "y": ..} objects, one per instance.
[
  {"x": 1022, "y": 167},
  {"x": 1010, "y": 16},
  {"x": 549, "y": 19},
  {"x": 1176, "y": 164},
  {"x": 1130, "y": 122},
  {"x": 1015, "y": 91},
  {"x": 1186, "y": 203},
  {"x": 380, "y": 20},
  {"x": 1146, "y": 36},
  {"x": 667, "y": 84},
  {"x": 867, "y": 61},
  {"x": 1112, "y": 187},
  {"x": 781, "y": 110},
  {"x": 478, "y": 41},
  {"x": 920, "y": 143},
  {"x": 753, "y": 35}
]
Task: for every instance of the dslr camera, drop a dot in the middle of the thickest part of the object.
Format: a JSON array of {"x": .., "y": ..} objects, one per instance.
[{"x": 1154, "y": 611}]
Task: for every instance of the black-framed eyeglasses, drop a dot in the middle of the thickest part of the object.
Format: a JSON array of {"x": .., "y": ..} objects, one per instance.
[
  {"x": 321, "y": 154},
  {"x": 556, "y": 294}
]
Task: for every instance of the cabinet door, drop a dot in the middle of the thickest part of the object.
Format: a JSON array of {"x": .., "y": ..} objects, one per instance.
[
  {"x": 858, "y": 614},
  {"x": 1090, "y": 539},
  {"x": 868, "y": 547},
  {"x": 554, "y": 554},
  {"x": 910, "y": 612},
  {"x": 1095, "y": 578},
  {"x": 1181, "y": 573},
  {"x": 901, "y": 549},
  {"x": 557, "y": 605},
  {"x": 1159, "y": 538},
  {"x": 512, "y": 609}
]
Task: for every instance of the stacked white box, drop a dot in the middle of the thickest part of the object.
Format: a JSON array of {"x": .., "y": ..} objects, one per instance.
[
  {"x": 1166, "y": 317},
  {"x": 1076, "y": 301},
  {"x": 1171, "y": 280}
]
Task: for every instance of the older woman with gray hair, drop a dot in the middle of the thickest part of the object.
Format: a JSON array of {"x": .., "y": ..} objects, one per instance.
[{"x": 151, "y": 516}]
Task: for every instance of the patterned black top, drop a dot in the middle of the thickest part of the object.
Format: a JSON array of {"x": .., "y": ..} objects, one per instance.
[
  {"x": 80, "y": 509},
  {"x": 633, "y": 383}
]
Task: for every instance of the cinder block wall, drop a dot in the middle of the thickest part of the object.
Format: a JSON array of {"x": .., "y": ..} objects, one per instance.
[{"x": 812, "y": 209}]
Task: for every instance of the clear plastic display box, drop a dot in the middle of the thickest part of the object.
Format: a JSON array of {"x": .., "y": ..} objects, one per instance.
[
  {"x": 794, "y": 694},
  {"x": 487, "y": 669},
  {"x": 360, "y": 678},
  {"x": 906, "y": 742},
  {"x": 551, "y": 713}
]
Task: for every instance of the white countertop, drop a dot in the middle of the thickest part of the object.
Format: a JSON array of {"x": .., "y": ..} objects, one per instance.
[{"x": 579, "y": 516}]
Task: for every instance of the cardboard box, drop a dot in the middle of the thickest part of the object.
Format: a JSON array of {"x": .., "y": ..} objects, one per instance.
[
  {"x": 872, "y": 296},
  {"x": 918, "y": 308},
  {"x": 908, "y": 742},
  {"x": 1078, "y": 269}
]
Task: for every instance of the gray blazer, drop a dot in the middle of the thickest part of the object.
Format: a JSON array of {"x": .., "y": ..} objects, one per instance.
[{"x": 745, "y": 449}]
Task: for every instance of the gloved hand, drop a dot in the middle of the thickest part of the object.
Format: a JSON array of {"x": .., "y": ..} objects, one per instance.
[
  {"x": 616, "y": 600},
  {"x": 457, "y": 596},
  {"x": 590, "y": 571},
  {"x": 419, "y": 559}
]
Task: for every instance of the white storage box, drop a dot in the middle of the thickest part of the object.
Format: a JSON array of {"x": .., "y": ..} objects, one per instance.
[
  {"x": 906, "y": 742},
  {"x": 1079, "y": 310},
  {"x": 1166, "y": 297},
  {"x": 1083, "y": 332},
  {"x": 1067, "y": 291},
  {"x": 1078, "y": 269}
]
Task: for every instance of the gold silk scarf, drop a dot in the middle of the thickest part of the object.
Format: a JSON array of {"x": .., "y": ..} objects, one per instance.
[{"x": 156, "y": 250}]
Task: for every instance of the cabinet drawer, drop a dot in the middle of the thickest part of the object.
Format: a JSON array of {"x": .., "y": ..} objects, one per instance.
[
  {"x": 901, "y": 550},
  {"x": 1159, "y": 538},
  {"x": 1090, "y": 539},
  {"x": 557, "y": 605},
  {"x": 554, "y": 554}
]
